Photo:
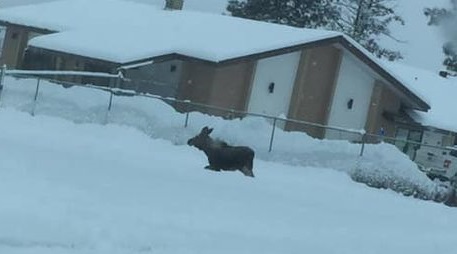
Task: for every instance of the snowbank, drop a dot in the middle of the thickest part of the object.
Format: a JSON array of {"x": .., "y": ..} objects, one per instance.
[
  {"x": 87, "y": 188},
  {"x": 381, "y": 165}
]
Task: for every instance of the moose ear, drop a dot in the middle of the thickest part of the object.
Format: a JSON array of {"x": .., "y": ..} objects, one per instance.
[
  {"x": 205, "y": 130},
  {"x": 210, "y": 130}
]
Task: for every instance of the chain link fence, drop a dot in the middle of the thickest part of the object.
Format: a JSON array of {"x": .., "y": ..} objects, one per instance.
[{"x": 431, "y": 157}]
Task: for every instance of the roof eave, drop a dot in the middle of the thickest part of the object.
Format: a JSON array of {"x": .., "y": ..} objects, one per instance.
[
  {"x": 249, "y": 57},
  {"x": 31, "y": 28},
  {"x": 416, "y": 102}
]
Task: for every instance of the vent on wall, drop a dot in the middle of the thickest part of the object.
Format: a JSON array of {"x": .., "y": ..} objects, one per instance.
[
  {"x": 271, "y": 87},
  {"x": 350, "y": 103}
]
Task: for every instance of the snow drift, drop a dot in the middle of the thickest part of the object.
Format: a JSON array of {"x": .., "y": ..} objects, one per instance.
[{"x": 381, "y": 166}]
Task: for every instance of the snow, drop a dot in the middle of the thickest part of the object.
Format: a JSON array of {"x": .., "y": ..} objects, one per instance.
[
  {"x": 67, "y": 14},
  {"x": 75, "y": 184},
  {"x": 61, "y": 73},
  {"x": 205, "y": 36},
  {"x": 420, "y": 44},
  {"x": 159, "y": 120},
  {"x": 224, "y": 38},
  {"x": 386, "y": 65},
  {"x": 420, "y": 51},
  {"x": 152, "y": 31},
  {"x": 212, "y": 6},
  {"x": 438, "y": 91}
]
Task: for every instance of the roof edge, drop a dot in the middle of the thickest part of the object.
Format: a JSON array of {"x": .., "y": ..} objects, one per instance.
[
  {"x": 421, "y": 104},
  {"x": 340, "y": 39},
  {"x": 33, "y": 28}
]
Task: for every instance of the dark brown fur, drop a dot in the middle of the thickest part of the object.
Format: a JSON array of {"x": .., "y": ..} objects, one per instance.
[{"x": 222, "y": 156}]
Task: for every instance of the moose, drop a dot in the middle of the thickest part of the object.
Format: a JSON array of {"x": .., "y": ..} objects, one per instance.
[{"x": 222, "y": 156}]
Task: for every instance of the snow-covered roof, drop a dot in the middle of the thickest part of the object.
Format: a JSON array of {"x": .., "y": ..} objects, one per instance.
[
  {"x": 206, "y": 36},
  {"x": 122, "y": 31},
  {"x": 62, "y": 15},
  {"x": 439, "y": 92}
]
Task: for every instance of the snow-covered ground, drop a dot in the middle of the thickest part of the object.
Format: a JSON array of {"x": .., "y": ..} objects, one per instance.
[
  {"x": 133, "y": 186},
  {"x": 159, "y": 120}
]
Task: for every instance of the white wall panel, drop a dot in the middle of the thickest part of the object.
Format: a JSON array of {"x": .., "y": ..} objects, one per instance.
[
  {"x": 354, "y": 83},
  {"x": 280, "y": 70}
]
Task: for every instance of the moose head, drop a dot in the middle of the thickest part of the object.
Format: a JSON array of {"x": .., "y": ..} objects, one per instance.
[
  {"x": 202, "y": 140},
  {"x": 222, "y": 156}
]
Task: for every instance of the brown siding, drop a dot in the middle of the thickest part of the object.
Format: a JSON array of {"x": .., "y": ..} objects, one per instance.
[
  {"x": 196, "y": 82},
  {"x": 225, "y": 86},
  {"x": 69, "y": 63},
  {"x": 314, "y": 88},
  {"x": 231, "y": 86},
  {"x": 42, "y": 59},
  {"x": 14, "y": 44},
  {"x": 382, "y": 100}
]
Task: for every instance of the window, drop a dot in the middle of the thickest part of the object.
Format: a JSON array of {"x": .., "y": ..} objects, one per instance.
[
  {"x": 453, "y": 153},
  {"x": 15, "y": 35},
  {"x": 173, "y": 68},
  {"x": 405, "y": 135}
]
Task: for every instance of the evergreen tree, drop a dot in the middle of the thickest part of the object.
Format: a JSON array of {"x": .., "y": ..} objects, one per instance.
[
  {"x": 366, "y": 20},
  {"x": 363, "y": 20},
  {"x": 447, "y": 19},
  {"x": 298, "y": 13}
]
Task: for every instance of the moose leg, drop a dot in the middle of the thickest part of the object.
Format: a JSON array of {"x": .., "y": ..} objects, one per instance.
[
  {"x": 247, "y": 171},
  {"x": 209, "y": 167}
]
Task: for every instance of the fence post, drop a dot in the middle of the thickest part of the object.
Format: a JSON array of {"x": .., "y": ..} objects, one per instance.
[
  {"x": 35, "y": 98},
  {"x": 186, "y": 123},
  {"x": 110, "y": 105},
  {"x": 117, "y": 85},
  {"x": 362, "y": 149},
  {"x": 119, "y": 79},
  {"x": 272, "y": 135}
]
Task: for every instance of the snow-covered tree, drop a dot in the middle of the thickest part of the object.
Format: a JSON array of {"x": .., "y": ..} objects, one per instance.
[
  {"x": 363, "y": 20},
  {"x": 298, "y": 13},
  {"x": 447, "y": 19},
  {"x": 366, "y": 21}
]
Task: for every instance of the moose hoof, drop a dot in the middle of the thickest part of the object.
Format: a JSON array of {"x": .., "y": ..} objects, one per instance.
[{"x": 211, "y": 168}]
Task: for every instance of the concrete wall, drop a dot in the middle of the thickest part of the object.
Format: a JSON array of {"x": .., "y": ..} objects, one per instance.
[
  {"x": 158, "y": 78},
  {"x": 314, "y": 87},
  {"x": 273, "y": 84},
  {"x": 351, "y": 99}
]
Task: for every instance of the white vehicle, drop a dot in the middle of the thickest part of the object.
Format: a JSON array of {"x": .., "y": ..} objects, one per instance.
[{"x": 438, "y": 163}]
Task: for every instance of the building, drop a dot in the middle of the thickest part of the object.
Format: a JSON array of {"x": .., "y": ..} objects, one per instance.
[
  {"x": 436, "y": 127},
  {"x": 317, "y": 76}
]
